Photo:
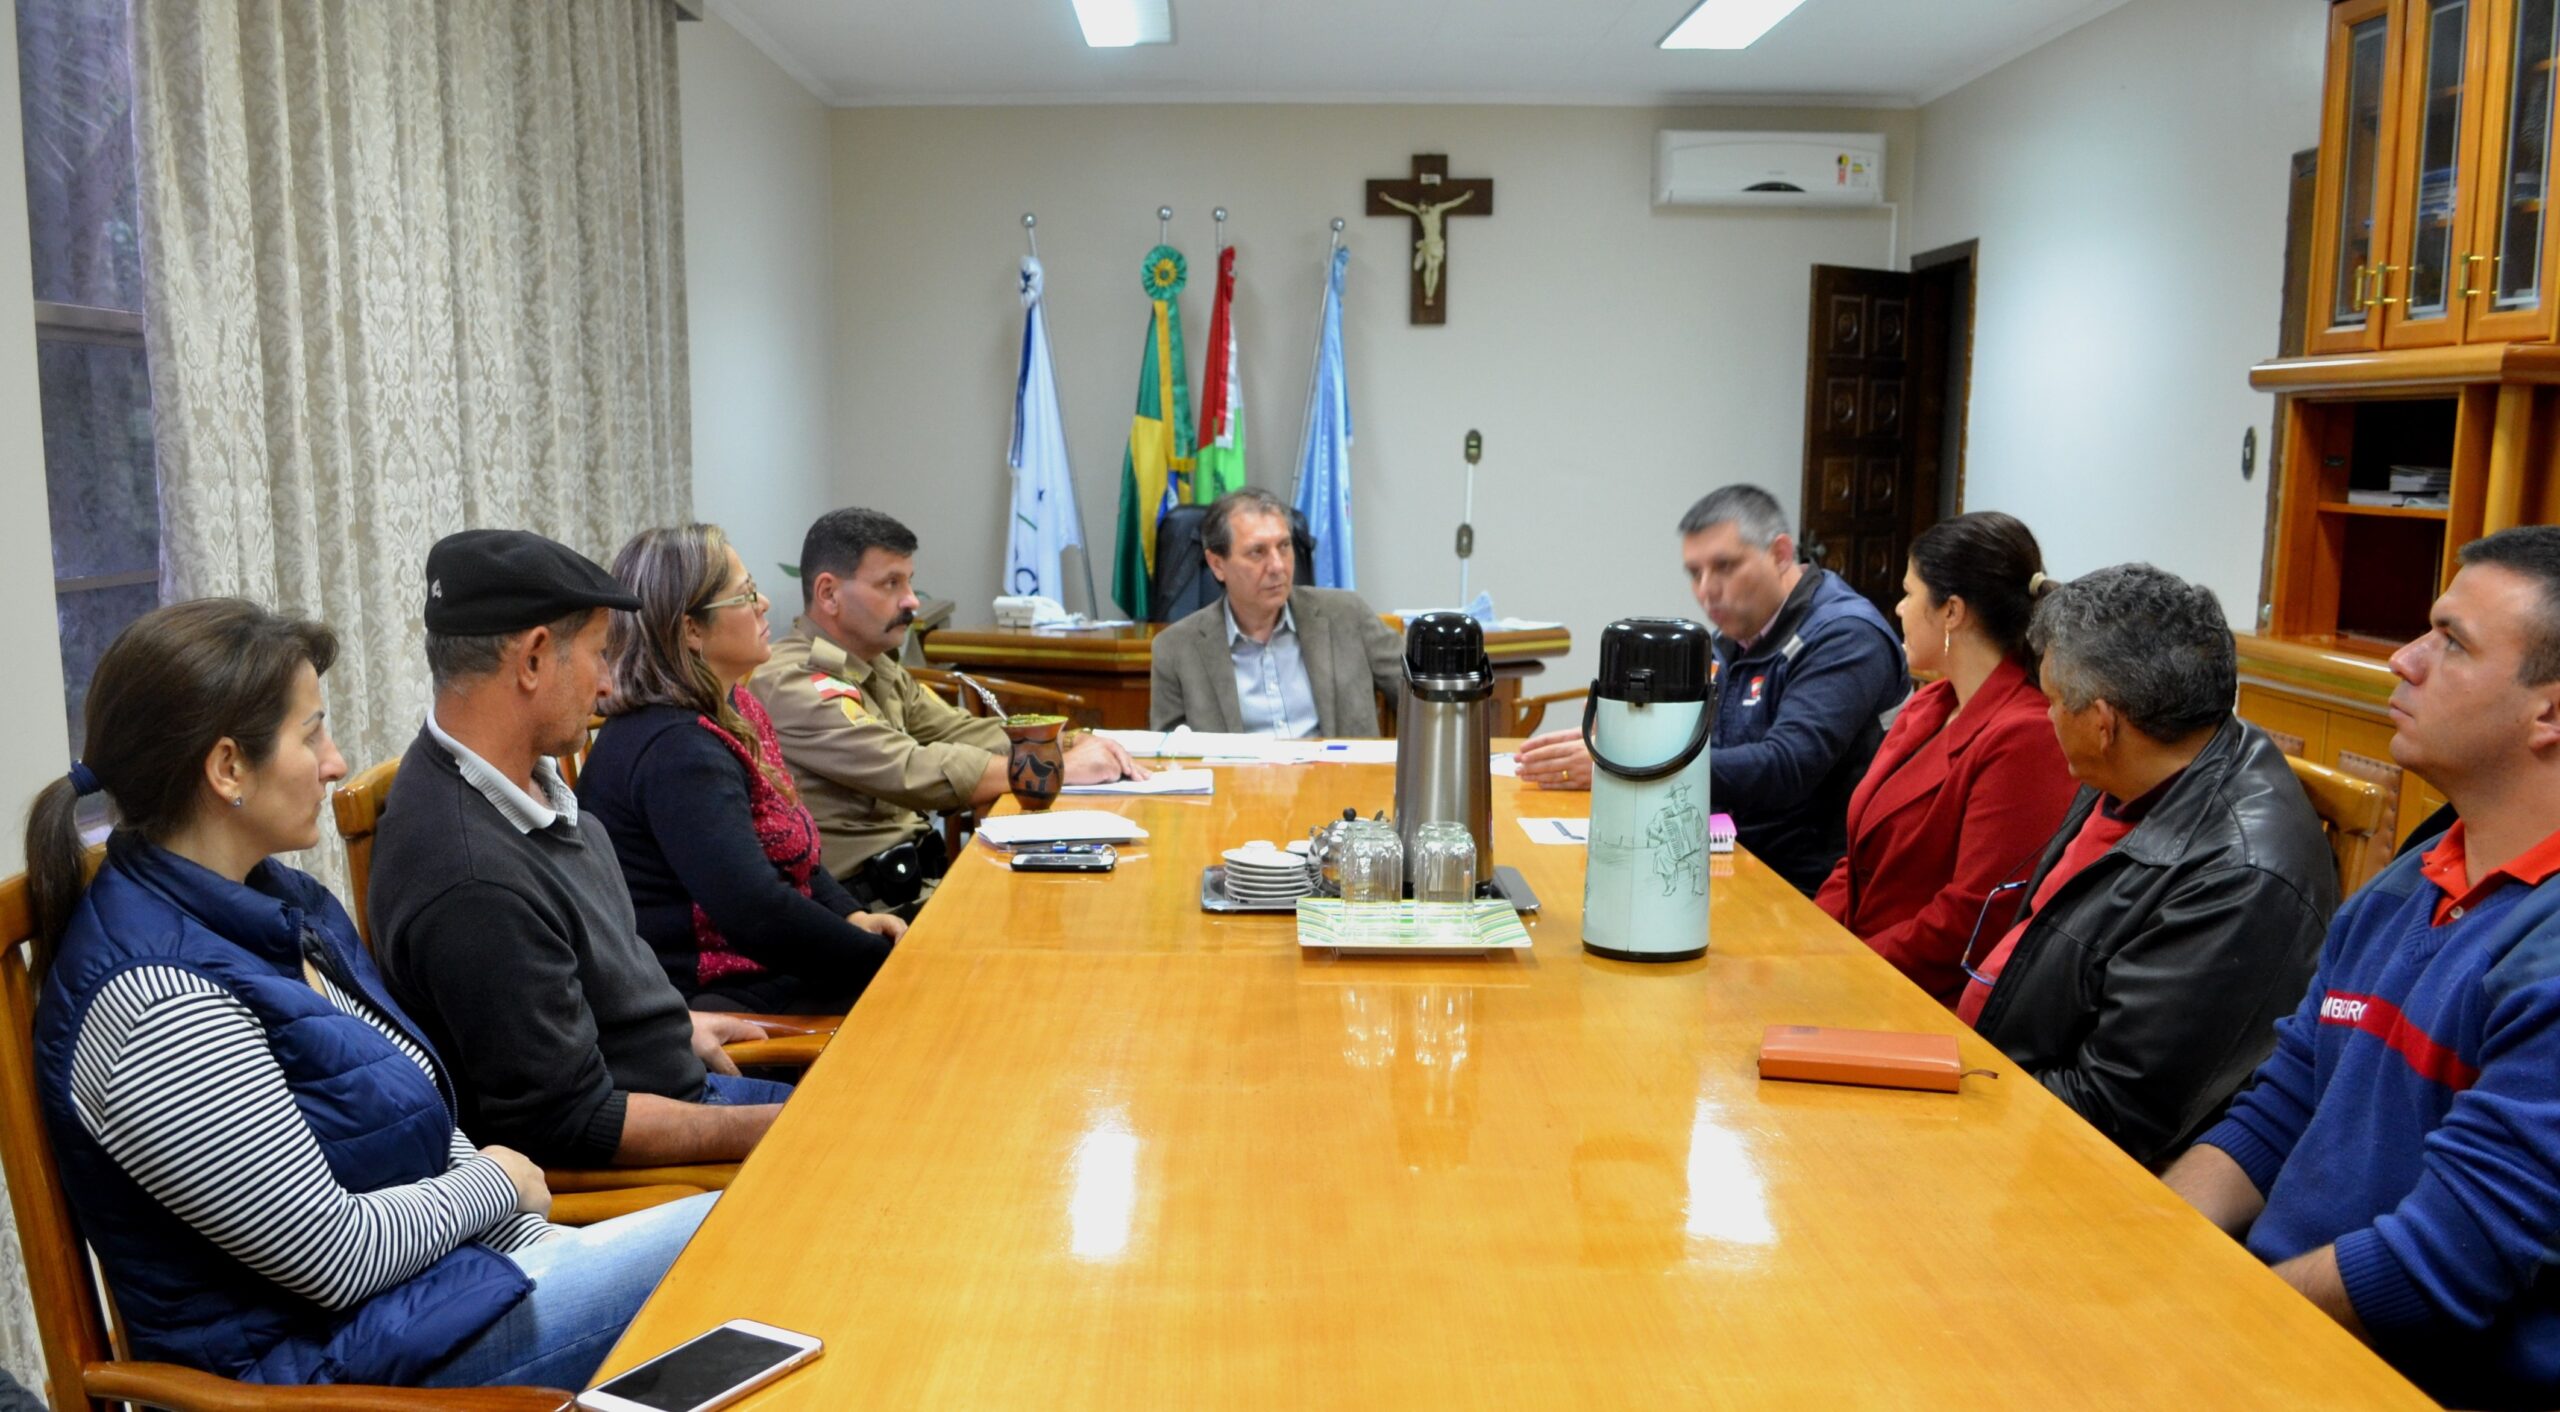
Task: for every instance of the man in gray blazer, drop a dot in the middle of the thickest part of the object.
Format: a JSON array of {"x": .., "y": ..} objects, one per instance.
[{"x": 1272, "y": 656}]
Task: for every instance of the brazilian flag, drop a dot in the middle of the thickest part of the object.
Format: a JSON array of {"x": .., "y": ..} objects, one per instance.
[{"x": 1155, "y": 475}]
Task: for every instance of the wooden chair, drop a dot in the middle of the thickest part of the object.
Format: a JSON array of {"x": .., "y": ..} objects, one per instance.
[
  {"x": 1014, "y": 695},
  {"x": 570, "y": 764},
  {"x": 1529, "y": 711},
  {"x": 2354, "y": 813},
  {"x": 83, "y": 1367}
]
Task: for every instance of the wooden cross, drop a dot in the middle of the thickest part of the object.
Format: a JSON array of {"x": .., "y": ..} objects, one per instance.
[{"x": 1428, "y": 198}]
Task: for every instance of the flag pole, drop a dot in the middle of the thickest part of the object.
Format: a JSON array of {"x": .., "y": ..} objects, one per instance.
[
  {"x": 1084, "y": 552},
  {"x": 1315, "y": 371}
]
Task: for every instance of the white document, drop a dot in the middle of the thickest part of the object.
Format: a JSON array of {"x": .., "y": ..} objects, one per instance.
[
  {"x": 1506, "y": 765},
  {"x": 1184, "y": 743},
  {"x": 1059, "y": 826},
  {"x": 1161, "y": 782},
  {"x": 1557, "y": 830},
  {"x": 1337, "y": 752}
]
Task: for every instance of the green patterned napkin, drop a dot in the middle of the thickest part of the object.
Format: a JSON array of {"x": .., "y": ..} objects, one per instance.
[{"x": 1410, "y": 926}]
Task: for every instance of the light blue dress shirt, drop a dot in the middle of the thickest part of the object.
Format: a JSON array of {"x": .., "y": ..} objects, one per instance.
[{"x": 1272, "y": 688}]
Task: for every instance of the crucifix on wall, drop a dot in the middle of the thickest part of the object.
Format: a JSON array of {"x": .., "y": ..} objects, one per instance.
[{"x": 1427, "y": 198}]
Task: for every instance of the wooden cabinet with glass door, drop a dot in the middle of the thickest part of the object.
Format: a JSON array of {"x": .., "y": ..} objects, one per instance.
[
  {"x": 2514, "y": 256},
  {"x": 2355, "y": 137},
  {"x": 2425, "y": 411},
  {"x": 2433, "y": 169},
  {"x": 2435, "y": 155}
]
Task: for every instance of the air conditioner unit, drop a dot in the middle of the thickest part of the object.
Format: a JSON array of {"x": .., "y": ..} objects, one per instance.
[{"x": 1768, "y": 169}]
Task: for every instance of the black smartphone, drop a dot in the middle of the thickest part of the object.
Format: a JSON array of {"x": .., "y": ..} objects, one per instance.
[{"x": 1102, "y": 860}]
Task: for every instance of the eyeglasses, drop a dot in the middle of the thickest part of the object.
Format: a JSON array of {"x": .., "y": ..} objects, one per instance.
[
  {"x": 1966, "y": 961},
  {"x": 742, "y": 600}
]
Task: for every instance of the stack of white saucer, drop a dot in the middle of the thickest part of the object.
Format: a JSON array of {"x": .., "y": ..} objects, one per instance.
[{"x": 1263, "y": 875}]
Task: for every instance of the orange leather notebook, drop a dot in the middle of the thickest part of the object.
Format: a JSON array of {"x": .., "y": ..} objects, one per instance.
[{"x": 1876, "y": 1058}]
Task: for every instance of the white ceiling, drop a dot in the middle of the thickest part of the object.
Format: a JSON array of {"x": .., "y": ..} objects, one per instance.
[{"x": 1869, "y": 52}]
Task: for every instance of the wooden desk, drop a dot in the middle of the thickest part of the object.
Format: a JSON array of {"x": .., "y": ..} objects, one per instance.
[
  {"x": 1109, "y": 666},
  {"x": 1084, "y": 1146}
]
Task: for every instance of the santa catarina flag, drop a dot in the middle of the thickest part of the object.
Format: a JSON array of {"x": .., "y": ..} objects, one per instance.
[{"x": 1221, "y": 397}]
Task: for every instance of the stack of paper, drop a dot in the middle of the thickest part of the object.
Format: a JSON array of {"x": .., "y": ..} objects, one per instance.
[
  {"x": 1161, "y": 782},
  {"x": 1058, "y": 826},
  {"x": 1184, "y": 743},
  {"x": 1239, "y": 748},
  {"x": 1336, "y": 752}
]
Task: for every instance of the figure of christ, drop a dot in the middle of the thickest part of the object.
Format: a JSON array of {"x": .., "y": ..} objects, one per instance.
[{"x": 1431, "y": 249}]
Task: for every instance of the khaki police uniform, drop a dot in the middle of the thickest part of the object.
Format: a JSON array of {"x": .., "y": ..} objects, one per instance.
[{"x": 872, "y": 750}]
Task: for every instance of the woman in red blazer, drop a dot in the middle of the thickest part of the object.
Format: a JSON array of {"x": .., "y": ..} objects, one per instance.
[{"x": 1970, "y": 783}]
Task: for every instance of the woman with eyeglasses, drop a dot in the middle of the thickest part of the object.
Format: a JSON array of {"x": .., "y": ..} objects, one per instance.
[
  {"x": 1969, "y": 782},
  {"x": 720, "y": 856}
]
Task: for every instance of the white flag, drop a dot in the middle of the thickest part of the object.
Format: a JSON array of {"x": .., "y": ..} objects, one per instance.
[{"x": 1045, "y": 519}]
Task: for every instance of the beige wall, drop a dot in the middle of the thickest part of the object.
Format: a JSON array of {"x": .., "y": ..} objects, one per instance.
[
  {"x": 1619, "y": 360},
  {"x": 757, "y": 265},
  {"x": 2128, "y": 184}
]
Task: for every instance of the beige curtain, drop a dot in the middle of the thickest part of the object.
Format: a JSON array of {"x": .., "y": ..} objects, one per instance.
[{"x": 414, "y": 266}]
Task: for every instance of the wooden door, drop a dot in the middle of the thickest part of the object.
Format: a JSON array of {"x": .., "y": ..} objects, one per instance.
[
  {"x": 2514, "y": 264},
  {"x": 2356, "y": 135},
  {"x": 2435, "y": 167},
  {"x": 1861, "y": 501}
]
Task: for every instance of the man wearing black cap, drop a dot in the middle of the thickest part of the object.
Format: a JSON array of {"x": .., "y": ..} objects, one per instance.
[{"x": 499, "y": 913}]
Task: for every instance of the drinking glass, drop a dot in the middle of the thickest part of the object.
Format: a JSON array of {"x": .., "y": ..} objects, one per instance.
[
  {"x": 1373, "y": 864},
  {"x": 1444, "y": 864}
]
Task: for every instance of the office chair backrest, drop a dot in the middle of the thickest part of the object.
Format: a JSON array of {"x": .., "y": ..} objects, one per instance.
[{"x": 1183, "y": 584}]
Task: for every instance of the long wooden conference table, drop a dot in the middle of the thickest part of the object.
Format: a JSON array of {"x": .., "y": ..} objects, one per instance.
[{"x": 1083, "y": 1145}]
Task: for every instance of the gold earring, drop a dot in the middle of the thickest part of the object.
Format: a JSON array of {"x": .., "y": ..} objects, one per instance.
[{"x": 1947, "y": 642}]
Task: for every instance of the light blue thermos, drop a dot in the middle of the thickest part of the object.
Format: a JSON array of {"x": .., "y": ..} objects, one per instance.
[{"x": 1644, "y": 893}]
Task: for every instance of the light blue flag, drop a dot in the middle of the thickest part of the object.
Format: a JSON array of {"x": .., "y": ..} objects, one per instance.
[
  {"x": 1045, "y": 518},
  {"x": 1324, "y": 448}
]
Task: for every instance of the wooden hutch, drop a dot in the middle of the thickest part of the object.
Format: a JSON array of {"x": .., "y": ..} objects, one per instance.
[{"x": 2424, "y": 408}]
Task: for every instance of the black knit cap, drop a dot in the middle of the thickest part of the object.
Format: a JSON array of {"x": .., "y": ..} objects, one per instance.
[{"x": 487, "y": 581}]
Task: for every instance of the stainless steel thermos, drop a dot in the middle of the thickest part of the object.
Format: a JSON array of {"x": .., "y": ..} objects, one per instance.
[{"x": 1444, "y": 739}]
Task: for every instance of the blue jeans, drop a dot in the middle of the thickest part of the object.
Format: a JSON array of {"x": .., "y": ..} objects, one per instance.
[
  {"x": 587, "y": 1284},
  {"x": 741, "y": 1092}
]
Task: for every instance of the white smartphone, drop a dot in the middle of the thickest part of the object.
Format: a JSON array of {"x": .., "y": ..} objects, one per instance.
[{"x": 699, "y": 1374}]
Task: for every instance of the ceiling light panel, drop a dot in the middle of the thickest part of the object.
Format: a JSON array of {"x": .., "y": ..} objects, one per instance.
[
  {"x": 1717, "y": 24},
  {"x": 1117, "y": 24}
]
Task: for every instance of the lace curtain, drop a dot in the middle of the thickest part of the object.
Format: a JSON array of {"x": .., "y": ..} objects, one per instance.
[{"x": 413, "y": 266}]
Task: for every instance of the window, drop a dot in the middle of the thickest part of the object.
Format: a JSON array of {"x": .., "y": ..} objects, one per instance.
[{"x": 75, "y": 75}]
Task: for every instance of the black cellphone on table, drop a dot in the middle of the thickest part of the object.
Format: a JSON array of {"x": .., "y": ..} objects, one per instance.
[{"x": 1068, "y": 858}]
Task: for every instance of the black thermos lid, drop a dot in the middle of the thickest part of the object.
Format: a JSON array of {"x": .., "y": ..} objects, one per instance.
[
  {"x": 1645, "y": 660},
  {"x": 1445, "y": 645}
]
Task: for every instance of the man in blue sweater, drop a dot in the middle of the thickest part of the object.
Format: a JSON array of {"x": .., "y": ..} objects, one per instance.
[
  {"x": 2397, "y": 1158},
  {"x": 1811, "y": 676}
]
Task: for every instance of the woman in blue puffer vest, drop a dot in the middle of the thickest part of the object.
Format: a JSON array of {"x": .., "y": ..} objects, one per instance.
[{"x": 257, "y": 1142}]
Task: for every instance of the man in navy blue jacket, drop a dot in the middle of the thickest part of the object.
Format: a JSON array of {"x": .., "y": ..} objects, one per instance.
[
  {"x": 2397, "y": 1158},
  {"x": 1810, "y": 672}
]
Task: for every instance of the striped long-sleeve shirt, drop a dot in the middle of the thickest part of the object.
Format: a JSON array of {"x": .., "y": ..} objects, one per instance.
[{"x": 172, "y": 1075}]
